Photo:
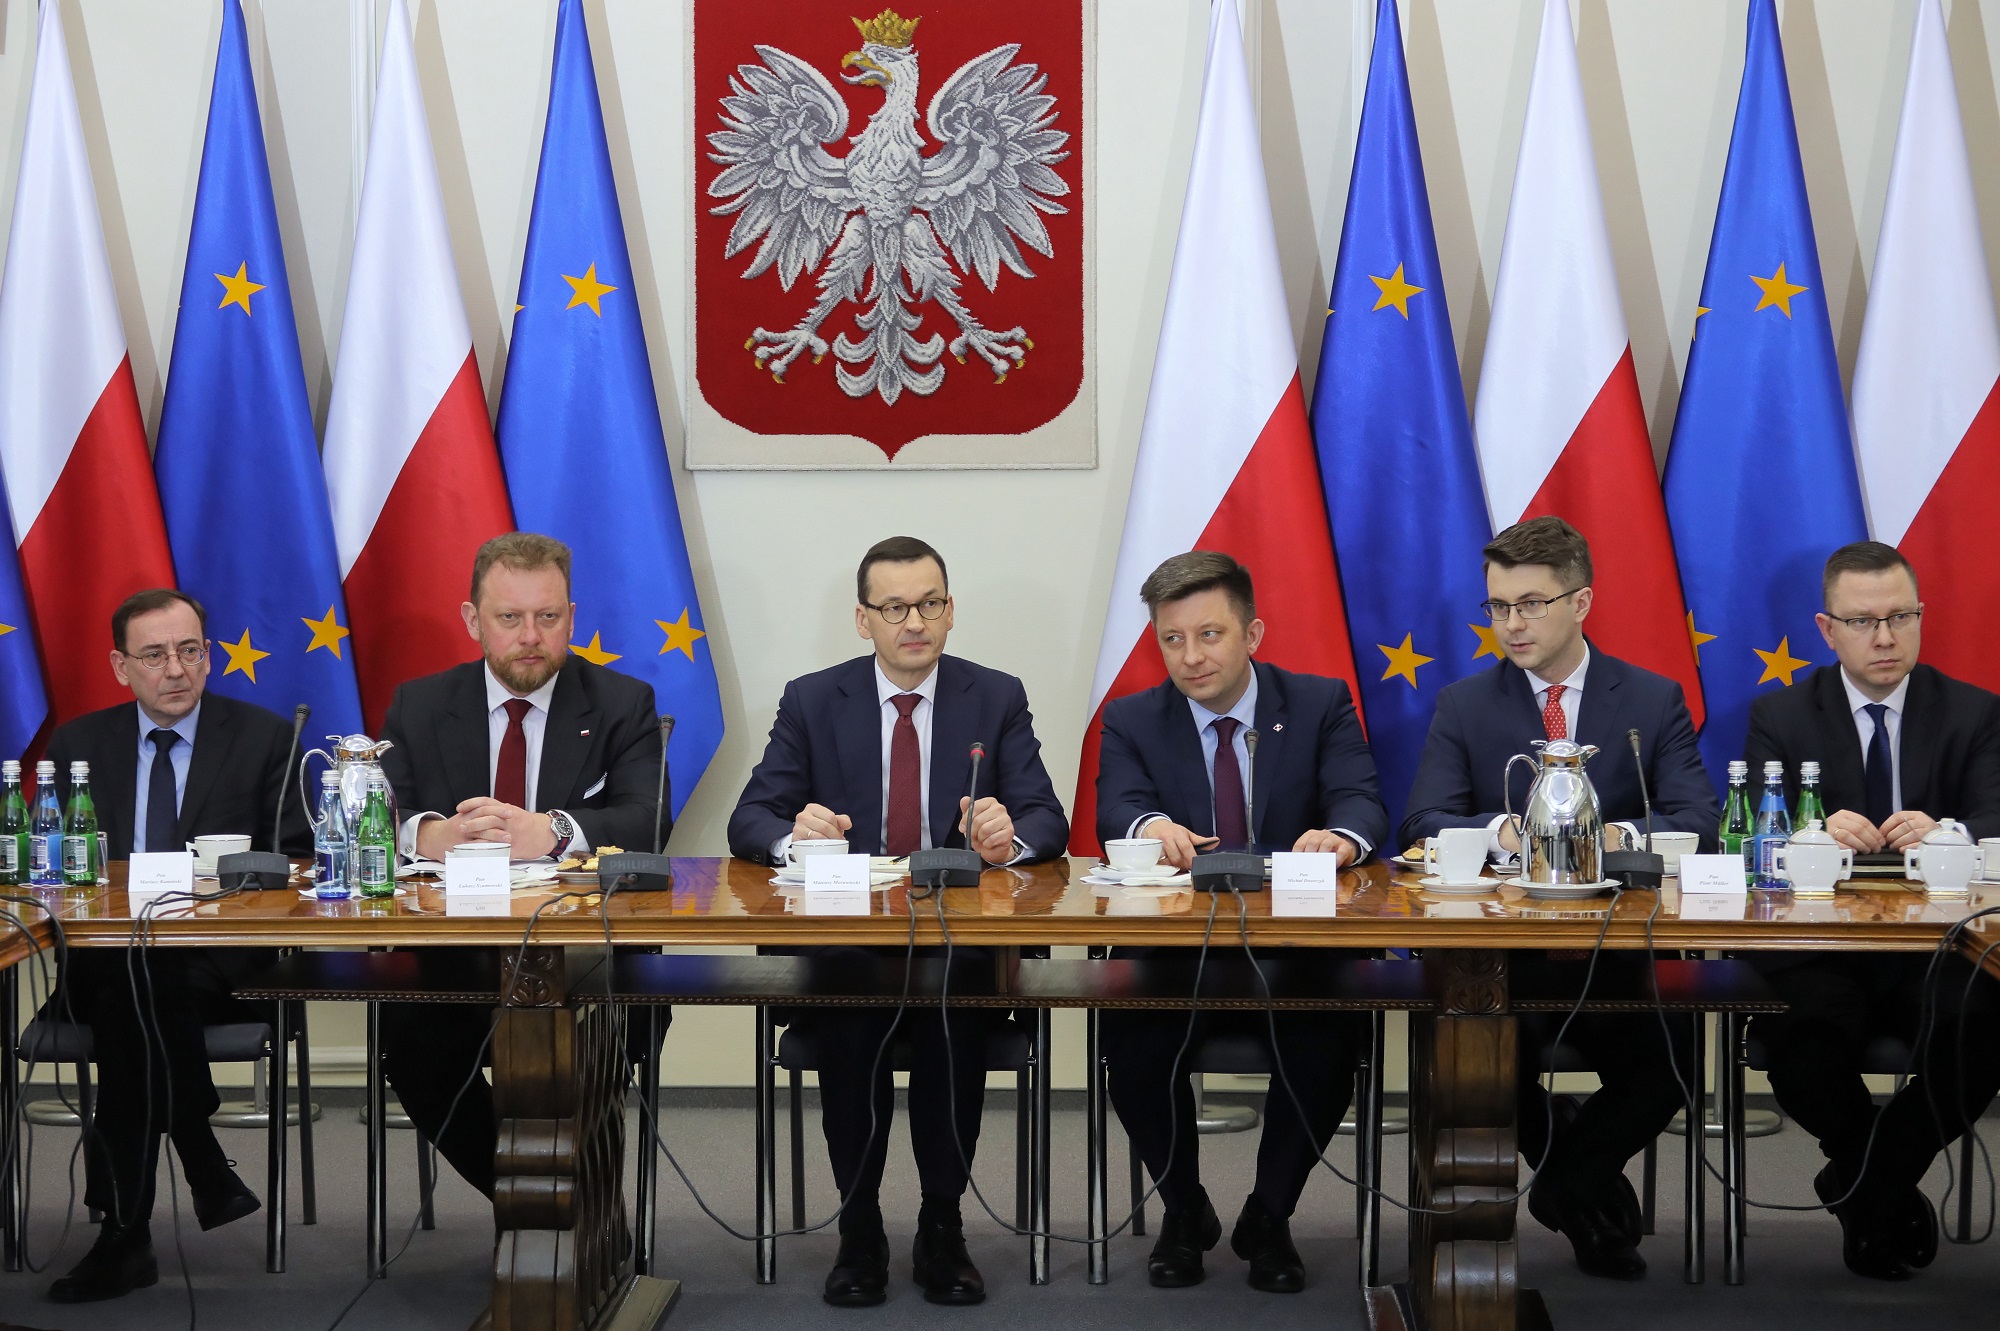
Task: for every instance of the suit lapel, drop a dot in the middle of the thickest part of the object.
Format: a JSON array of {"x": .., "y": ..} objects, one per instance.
[
  {"x": 463, "y": 737},
  {"x": 1185, "y": 761},
  {"x": 1923, "y": 721},
  {"x": 1844, "y": 769},
  {"x": 858, "y": 740},
  {"x": 1597, "y": 709},
  {"x": 566, "y": 738},
  {"x": 213, "y": 736},
  {"x": 118, "y": 786},
  {"x": 1271, "y": 748},
  {"x": 952, "y": 719}
]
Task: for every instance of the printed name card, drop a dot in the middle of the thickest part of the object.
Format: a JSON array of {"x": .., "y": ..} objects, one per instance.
[
  {"x": 152, "y": 873},
  {"x": 476, "y": 876},
  {"x": 1712, "y": 875},
  {"x": 476, "y": 903},
  {"x": 1304, "y": 885},
  {"x": 835, "y": 873}
]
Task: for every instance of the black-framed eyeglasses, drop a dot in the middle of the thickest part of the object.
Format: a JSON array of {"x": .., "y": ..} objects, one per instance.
[
  {"x": 1900, "y": 622},
  {"x": 155, "y": 659},
  {"x": 895, "y": 612},
  {"x": 1534, "y": 607}
]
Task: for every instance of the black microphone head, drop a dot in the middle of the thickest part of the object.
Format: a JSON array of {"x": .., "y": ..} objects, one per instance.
[
  {"x": 978, "y": 750},
  {"x": 666, "y": 723},
  {"x": 301, "y": 713},
  {"x": 1250, "y": 740},
  {"x": 1632, "y": 738}
]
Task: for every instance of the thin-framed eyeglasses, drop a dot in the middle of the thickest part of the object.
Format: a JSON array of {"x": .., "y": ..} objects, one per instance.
[
  {"x": 895, "y": 612},
  {"x": 1534, "y": 607},
  {"x": 191, "y": 654},
  {"x": 1900, "y": 622}
]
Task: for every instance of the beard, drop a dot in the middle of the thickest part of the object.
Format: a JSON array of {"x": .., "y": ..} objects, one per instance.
[{"x": 524, "y": 677}]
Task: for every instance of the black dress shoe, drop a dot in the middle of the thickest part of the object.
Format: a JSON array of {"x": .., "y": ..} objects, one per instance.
[
  {"x": 1870, "y": 1246},
  {"x": 1598, "y": 1234},
  {"x": 940, "y": 1263},
  {"x": 1265, "y": 1241},
  {"x": 1917, "y": 1225},
  {"x": 1185, "y": 1234},
  {"x": 119, "y": 1262},
  {"x": 220, "y": 1198},
  {"x": 860, "y": 1275}
]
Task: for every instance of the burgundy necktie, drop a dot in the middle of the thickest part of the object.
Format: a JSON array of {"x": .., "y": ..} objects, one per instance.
[
  {"x": 1553, "y": 720},
  {"x": 510, "y": 778},
  {"x": 1231, "y": 823},
  {"x": 906, "y": 780}
]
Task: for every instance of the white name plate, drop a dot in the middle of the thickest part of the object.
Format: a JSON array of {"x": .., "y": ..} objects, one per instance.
[
  {"x": 476, "y": 876},
  {"x": 835, "y": 900},
  {"x": 151, "y": 874},
  {"x": 1712, "y": 875},
  {"x": 836, "y": 873},
  {"x": 1304, "y": 885},
  {"x": 476, "y": 903},
  {"x": 1715, "y": 906}
]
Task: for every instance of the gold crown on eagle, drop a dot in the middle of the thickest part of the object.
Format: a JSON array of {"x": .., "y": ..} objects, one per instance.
[{"x": 888, "y": 28}]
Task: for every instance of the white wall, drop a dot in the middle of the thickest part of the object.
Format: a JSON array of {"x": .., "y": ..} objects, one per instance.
[{"x": 1031, "y": 570}]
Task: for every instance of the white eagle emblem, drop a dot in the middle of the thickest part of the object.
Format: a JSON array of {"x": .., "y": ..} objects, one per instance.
[{"x": 887, "y": 212}]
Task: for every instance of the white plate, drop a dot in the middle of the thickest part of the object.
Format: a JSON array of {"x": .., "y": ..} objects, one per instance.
[
  {"x": 1414, "y": 862},
  {"x": 1564, "y": 891},
  {"x": 1477, "y": 887},
  {"x": 878, "y": 878}
]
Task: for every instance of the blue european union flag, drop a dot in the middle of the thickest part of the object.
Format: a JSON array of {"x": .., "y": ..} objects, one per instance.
[
  {"x": 1395, "y": 443},
  {"x": 1760, "y": 481},
  {"x": 238, "y": 466},
  {"x": 23, "y": 703},
  {"x": 580, "y": 426}
]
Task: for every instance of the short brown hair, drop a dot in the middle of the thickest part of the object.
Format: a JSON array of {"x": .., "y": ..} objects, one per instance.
[
  {"x": 1544, "y": 540},
  {"x": 1862, "y": 557},
  {"x": 524, "y": 552},
  {"x": 145, "y": 603},
  {"x": 896, "y": 550},
  {"x": 1183, "y": 576}
]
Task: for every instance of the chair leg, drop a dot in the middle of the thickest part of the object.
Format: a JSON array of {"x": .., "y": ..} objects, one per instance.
[
  {"x": 796, "y": 1089},
  {"x": 1695, "y": 1216},
  {"x": 277, "y": 1078},
  {"x": 86, "y": 1114},
  {"x": 1729, "y": 1087},
  {"x": 1649, "y": 1186},
  {"x": 1024, "y": 1137},
  {"x": 1138, "y": 1171},
  {"x": 1964, "y": 1234},
  {"x": 302, "y": 1057},
  {"x": 1038, "y": 1182},
  {"x": 426, "y": 1181},
  {"x": 378, "y": 1158},
  {"x": 1097, "y": 1200},
  {"x": 767, "y": 1151},
  {"x": 1368, "y": 1150},
  {"x": 649, "y": 1161}
]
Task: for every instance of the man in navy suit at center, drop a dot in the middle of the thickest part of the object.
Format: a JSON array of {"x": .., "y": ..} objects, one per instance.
[
  {"x": 1553, "y": 685},
  {"x": 877, "y": 751},
  {"x": 1173, "y": 767}
]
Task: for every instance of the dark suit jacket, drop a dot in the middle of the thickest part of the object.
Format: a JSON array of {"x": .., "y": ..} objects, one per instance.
[
  {"x": 600, "y": 749},
  {"x": 826, "y": 748},
  {"x": 1312, "y": 769},
  {"x": 234, "y": 774},
  {"x": 1485, "y": 719},
  {"x": 1950, "y": 742}
]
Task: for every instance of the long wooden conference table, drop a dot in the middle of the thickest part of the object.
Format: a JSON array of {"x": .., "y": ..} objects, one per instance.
[{"x": 566, "y": 1260}]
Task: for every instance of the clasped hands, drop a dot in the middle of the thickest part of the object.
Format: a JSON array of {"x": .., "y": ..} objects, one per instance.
[
  {"x": 483, "y": 818},
  {"x": 1898, "y": 832},
  {"x": 1179, "y": 846},
  {"x": 991, "y": 832}
]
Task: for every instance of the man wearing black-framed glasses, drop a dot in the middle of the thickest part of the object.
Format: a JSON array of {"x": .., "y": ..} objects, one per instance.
[
  {"x": 1900, "y": 745},
  {"x": 174, "y": 764}
]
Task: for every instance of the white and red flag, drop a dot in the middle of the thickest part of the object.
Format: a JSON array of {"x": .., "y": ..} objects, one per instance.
[
  {"x": 411, "y": 469},
  {"x": 1926, "y": 422},
  {"x": 1226, "y": 454},
  {"x": 72, "y": 440},
  {"x": 1560, "y": 425}
]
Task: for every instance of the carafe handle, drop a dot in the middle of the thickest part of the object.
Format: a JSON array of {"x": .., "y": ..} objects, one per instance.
[
  {"x": 1507, "y": 804},
  {"x": 306, "y": 802}
]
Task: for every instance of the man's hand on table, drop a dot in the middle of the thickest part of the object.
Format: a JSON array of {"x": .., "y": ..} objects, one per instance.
[
  {"x": 1344, "y": 851},
  {"x": 816, "y": 822},
  {"x": 1178, "y": 846},
  {"x": 485, "y": 819},
  {"x": 988, "y": 828}
]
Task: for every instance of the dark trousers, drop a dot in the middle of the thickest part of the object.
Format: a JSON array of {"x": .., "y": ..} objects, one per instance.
[
  {"x": 1640, "y": 1087},
  {"x": 858, "y": 1102},
  {"x": 1150, "y": 1090},
  {"x": 152, "y": 1061},
  {"x": 1841, "y": 1001}
]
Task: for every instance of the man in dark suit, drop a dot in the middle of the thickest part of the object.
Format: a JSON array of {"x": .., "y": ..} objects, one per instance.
[
  {"x": 531, "y": 745},
  {"x": 1172, "y": 767},
  {"x": 877, "y": 751},
  {"x": 1899, "y": 745},
  {"x": 176, "y": 764},
  {"x": 1552, "y": 685}
]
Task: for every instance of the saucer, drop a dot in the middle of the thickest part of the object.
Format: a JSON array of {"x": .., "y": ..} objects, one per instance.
[
  {"x": 1563, "y": 891},
  {"x": 1474, "y": 887}
]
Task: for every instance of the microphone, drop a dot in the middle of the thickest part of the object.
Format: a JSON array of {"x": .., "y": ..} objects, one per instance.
[
  {"x": 662, "y": 806},
  {"x": 300, "y": 715},
  {"x": 946, "y": 866},
  {"x": 634, "y": 871},
  {"x": 1229, "y": 870},
  {"x": 1638, "y": 868},
  {"x": 972, "y": 790},
  {"x": 1250, "y": 791}
]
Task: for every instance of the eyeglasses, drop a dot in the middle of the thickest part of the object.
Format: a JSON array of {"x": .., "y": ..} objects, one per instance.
[
  {"x": 191, "y": 655},
  {"x": 895, "y": 612},
  {"x": 1532, "y": 608},
  {"x": 1900, "y": 622}
]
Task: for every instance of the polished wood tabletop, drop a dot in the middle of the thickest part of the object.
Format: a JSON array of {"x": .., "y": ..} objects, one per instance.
[{"x": 727, "y": 901}]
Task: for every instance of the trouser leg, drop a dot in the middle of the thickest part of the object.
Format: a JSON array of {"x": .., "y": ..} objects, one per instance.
[
  {"x": 1956, "y": 1076},
  {"x": 1317, "y": 1051},
  {"x": 956, "y": 1098},
  {"x": 1149, "y": 1089},
  {"x": 1814, "y": 1051},
  {"x": 857, "y": 1101},
  {"x": 431, "y": 1053}
]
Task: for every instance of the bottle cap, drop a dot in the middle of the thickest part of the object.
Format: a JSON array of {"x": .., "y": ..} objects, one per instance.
[
  {"x": 79, "y": 771},
  {"x": 329, "y": 779},
  {"x": 1773, "y": 768},
  {"x": 1808, "y": 771},
  {"x": 1739, "y": 767},
  {"x": 46, "y": 768},
  {"x": 378, "y": 779},
  {"x": 12, "y": 767}
]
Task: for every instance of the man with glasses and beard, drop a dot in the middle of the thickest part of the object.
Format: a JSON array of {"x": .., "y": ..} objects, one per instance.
[{"x": 533, "y": 746}]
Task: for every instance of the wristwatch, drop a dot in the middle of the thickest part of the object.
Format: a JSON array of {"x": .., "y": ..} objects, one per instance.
[{"x": 564, "y": 830}]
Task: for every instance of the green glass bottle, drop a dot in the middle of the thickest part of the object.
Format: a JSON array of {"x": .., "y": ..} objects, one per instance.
[
  {"x": 13, "y": 827},
  {"x": 1736, "y": 829},
  {"x": 79, "y": 831},
  {"x": 375, "y": 842},
  {"x": 1811, "y": 807}
]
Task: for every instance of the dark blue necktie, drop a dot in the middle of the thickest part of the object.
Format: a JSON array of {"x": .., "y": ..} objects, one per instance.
[
  {"x": 1881, "y": 770},
  {"x": 1232, "y": 825},
  {"x": 162, "y": 806}
]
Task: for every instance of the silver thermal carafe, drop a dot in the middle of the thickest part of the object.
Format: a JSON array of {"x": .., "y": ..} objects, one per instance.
[{"x": 1562, "y": 829}]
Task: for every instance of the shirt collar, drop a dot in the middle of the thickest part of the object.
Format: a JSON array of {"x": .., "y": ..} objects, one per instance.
[
  {"x": 1856, "y": 699},
  {"x": 497, "y": 693},
  {"x": 885, "y": 689},
  {"x": 185, "y": 727},
  {"x": 1574, "y": 683},
  {"x": 1245, "y": 710}
]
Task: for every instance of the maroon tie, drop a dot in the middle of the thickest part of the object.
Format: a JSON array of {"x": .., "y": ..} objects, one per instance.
[
  {"x": 1232, "y": 827},
  {"x": 906, "y": 779},
  {"x": 510, "y": 778},
  {"x": 1553, "y": 720}
]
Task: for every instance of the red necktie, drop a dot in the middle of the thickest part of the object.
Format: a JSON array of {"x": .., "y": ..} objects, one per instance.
[
  {"x": 510, "y": 778},
  {"x": 1553, "y": 720},
  {"x": 906, "y": 779}
]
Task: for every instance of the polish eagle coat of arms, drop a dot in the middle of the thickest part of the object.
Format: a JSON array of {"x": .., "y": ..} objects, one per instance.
[{"x": 888, "y": 226}]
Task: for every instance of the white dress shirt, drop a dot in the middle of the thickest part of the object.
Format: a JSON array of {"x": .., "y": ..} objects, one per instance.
[
  {"x": 180, "y": 757},
  {"x": 1864, "y": 729},
  {"x": 532, "y": 727},
  {"x": 1571, "y": 703}
]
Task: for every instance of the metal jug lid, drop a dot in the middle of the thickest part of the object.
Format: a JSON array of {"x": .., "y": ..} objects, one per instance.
[
  {"x": 358, "y": 747},
  {"x": 1812, "y": 834},
  {"x": 1564, "y": 752},
  {"x": 1948, "y": 832}
]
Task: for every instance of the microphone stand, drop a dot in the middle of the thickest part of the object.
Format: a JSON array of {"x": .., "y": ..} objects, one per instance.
[
  {"x": 931, "y": 870},
  {"x": 636, "y": 872},
  {"x": 1638, "y": 868},
  {"x": 1228, "y": 870},
  {"x": 300, "y": 715}
]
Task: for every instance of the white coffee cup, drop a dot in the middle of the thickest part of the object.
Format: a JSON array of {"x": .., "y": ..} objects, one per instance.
[
  {"x": 1134, "y": 854},
  {"x": 208, "y": 849},
  {"x": 1943, "y": 869},
  {"x": 1670, "y": 846},
  {"x": 801, "y": 848},
  {"x": 498, "y": 850},
  {"x": 1990, "y": 848},
  {"x": 1812, "y": 868},
  {"x": 1456, "y": 854}
]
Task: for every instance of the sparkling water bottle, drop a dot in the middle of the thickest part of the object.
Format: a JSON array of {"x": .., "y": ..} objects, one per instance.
[
  {"x": 1737, "y": 825},
  {"x": 80, "y": 861},
  {"x": 1811, "y": 807},
  {"x": 13, "y": 827},
  {"x": 1774, "y": 824},
  {"x": 45, "y": 830},
  {"x": 330, "y": 842},
  {"x": 375, "y": 841}
]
